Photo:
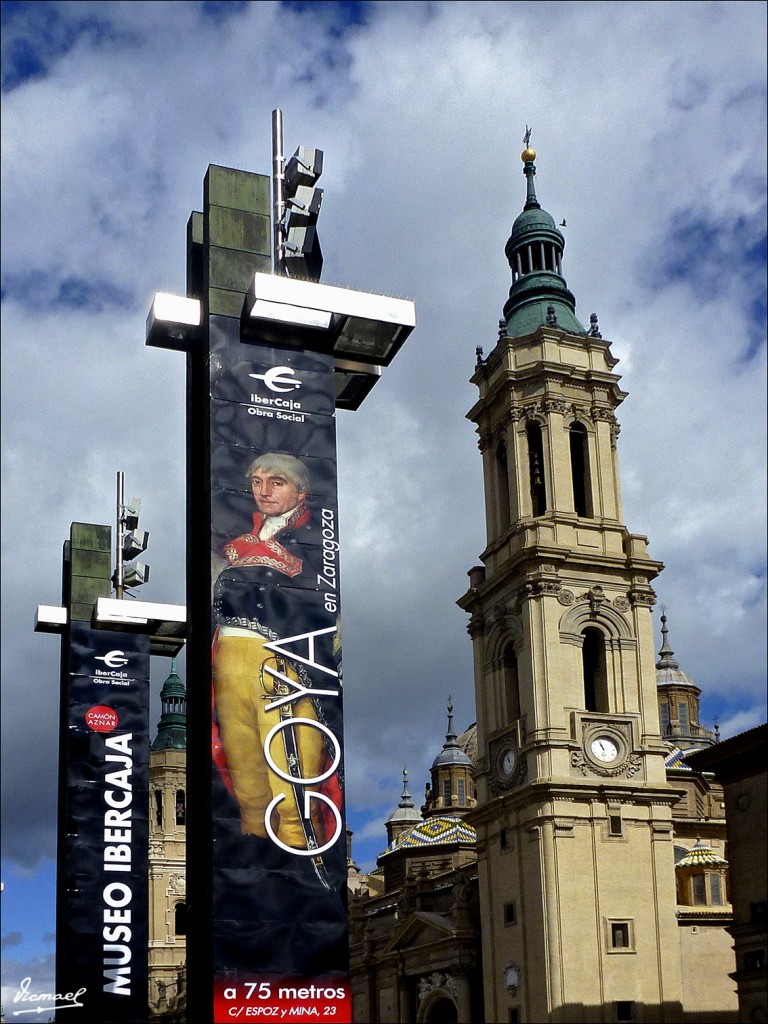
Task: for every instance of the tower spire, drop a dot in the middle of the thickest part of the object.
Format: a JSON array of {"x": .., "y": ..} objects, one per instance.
[
  {"x": 451, "y": 739},
  {"x": 405, "y": 799},
  {"x": 539, "y": 295},
  {"x": 666, "y": 654},
  {"x": 529, "y": 170}
]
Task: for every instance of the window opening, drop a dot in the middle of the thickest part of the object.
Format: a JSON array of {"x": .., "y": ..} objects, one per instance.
[
  {"x": 159, "y": 807},
  {"x": 511, "y": 684},
  {"x": 502, "y": 485},
  {"x": 664, "y": 717},
  {"x": 682, "y": 716},
  {"x": 181, "y": 810},
  {"x": 536, "y": 465},
  {"x": 461, "y": 787},
  {"x": 716, "y": 888},
  {"x": 582, "y": 492},
  {"x": 180, "y": 919},
  {"x": 620, "y": 935},
  {"x": 593, "y": 664},
  {"x": 699, "y": 888}
]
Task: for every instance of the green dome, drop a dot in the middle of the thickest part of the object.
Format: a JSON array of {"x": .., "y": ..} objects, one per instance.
[{"x": 533, "y": 221}]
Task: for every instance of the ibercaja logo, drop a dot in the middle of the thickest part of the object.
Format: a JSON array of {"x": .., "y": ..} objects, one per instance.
[{"x": 100, "y": 718}]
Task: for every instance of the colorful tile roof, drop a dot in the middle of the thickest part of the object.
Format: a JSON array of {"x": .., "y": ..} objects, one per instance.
[
  {"x": 676, "y": 759},
  {"x": 701, "y": 855},
  {"x": 437, "y": 831}
]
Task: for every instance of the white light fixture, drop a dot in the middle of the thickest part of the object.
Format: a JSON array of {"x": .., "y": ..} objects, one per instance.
[
  {"x": 512, "y": 978},
  {"x": 173, "y": 321},
  {"x": 351, "y": 324}
]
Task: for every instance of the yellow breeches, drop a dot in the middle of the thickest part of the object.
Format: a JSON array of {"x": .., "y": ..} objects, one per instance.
[{"x": 245, "y": 682}]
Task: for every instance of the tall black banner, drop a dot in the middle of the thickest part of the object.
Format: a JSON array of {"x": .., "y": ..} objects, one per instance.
[
  {"x": 102, "y": 911},
  {"x": 280, "y": 943}
]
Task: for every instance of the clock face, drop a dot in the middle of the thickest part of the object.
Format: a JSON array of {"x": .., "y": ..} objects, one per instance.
[
  {"x": 604, "y": 749},
  {"x": 507, "y": 762}
]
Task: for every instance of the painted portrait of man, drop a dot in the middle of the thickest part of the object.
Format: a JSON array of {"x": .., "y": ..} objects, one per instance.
[{"x": 268, "y": 734}]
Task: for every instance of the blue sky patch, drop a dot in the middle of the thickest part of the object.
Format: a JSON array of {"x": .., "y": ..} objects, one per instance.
[
  {"x": 36, "y": 32},
  {"x": 705, "y": 254},
  {"x": 39, "y": 291}
]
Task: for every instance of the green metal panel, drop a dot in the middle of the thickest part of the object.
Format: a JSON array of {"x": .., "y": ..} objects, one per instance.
[
  {"x": 239, "y": 229},
  {"x": 93, "y": 563},
  {"x": 225, "y": 303},
  {"x": 237, "y": 190},
  {"x": 88, "y": 564},
  {"x": 234, "y": 270},
  {"x": 87, "y": 535}
]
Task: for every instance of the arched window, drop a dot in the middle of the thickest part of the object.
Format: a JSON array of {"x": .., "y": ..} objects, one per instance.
[
  {"x": 181, "y": 808},
  {"x": 159, "y": 808},
  {"x": 511, "y": 684},
  {"x": 180, "y": 919},
  {"x": 442, "y": 1012},
  {"x": 593, "y": 662},
  {"x": 536, "y": 467},
  {"x": 502, "y": 485},
  {"x": 582, "y": 489}
]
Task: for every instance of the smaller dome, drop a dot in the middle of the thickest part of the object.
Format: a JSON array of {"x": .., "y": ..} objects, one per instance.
[
  {"x": 702, "y": 853},
  {"x": 451, "y": 755},
  {"x": 405, "y": 811},
  {"x": 441, "y": 830},
  {"x": 668, "y": 675},
  {"x": 530, "y": 221}
]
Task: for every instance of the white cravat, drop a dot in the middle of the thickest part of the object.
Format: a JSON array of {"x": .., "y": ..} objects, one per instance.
[{"x": 274, "y": 524}]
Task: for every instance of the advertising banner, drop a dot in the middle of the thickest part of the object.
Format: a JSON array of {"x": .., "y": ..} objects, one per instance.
[
  {"x": 280, "y": 944},
  {"x": 102, "y": 934}
]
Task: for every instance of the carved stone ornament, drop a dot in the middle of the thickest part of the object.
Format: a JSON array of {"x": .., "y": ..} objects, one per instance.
[
  {"x": 642, "y": 596},
  {"x": 601, "y": 413},
  {"x": 476, "y": 626},
  {"x": 539, "y": 588},
  {"x": 554, "y": 405},
  {"x": 615, "y": 431},
  {"x": 155, "y": 848},
  {"x": 449, "y": 982},
  {"x": 178, "y": 884},
  {"x": 621, "y": 603},
  {"x": 596, "y": 597},
  {"x": 566, "y": 597}
]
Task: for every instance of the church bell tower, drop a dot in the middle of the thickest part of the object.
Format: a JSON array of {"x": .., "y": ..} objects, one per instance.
[{"x": 573, "y": 812}]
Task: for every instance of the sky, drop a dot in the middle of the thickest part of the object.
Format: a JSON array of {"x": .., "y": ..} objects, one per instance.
[{"x": 649, "y": 124}]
